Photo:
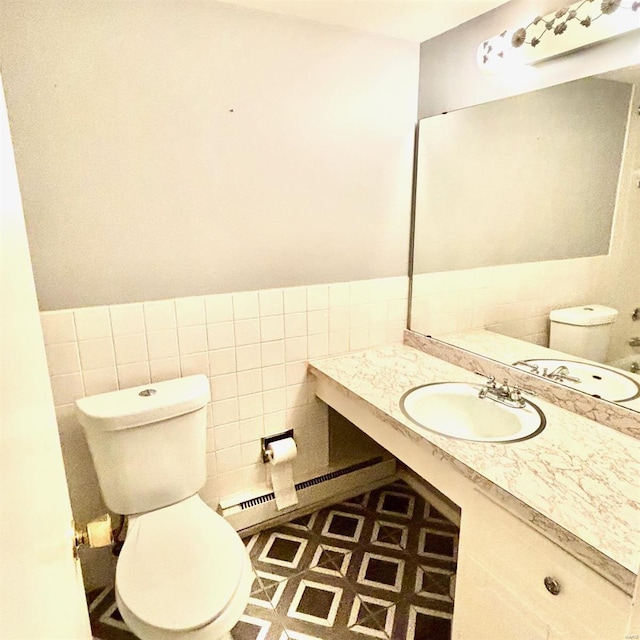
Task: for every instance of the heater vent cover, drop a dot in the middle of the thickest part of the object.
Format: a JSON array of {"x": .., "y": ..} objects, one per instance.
[{"x": 268, "y": 497}]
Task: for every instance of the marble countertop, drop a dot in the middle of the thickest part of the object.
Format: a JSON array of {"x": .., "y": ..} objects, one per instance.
[{"x": 577, "y": 473}]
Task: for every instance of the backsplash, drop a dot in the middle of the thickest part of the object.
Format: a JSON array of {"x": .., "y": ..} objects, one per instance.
[
  {"x": 253, "y": 347},
  {"x": 523, "y": 294}
]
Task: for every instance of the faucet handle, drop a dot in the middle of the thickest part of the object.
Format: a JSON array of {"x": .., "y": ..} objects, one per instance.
[
  {"x": 491, "y": 380},
  {"x": 515, "y": 395},
  {"x": 518, "y": 389}
]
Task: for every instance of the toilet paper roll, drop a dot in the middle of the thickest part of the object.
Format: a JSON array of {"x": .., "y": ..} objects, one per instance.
[{"x": 281, "y": 453}]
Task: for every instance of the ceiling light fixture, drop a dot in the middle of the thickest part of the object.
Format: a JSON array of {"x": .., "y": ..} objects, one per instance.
[{"x": 573, "y": 27}]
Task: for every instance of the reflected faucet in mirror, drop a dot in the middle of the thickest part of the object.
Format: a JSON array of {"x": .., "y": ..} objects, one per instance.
[{"x": 560, "y": 373}]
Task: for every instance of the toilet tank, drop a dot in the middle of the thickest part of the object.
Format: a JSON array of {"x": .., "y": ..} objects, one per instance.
[
  {"x": 148, "y": 443},
  {"x": 582, "y": 331}
]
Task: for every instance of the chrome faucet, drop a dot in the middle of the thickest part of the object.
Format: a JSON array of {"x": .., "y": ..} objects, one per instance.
[
  {"x": 533, "y": 367},
  {"x": 510, "y": 396},
  {"x": 560, "y": 373}
]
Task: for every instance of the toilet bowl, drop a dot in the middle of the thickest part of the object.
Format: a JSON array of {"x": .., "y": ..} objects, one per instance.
[{"x": 183, "y": 572}]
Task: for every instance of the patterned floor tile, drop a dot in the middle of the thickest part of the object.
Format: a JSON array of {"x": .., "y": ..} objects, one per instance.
[
  {"x": 428, "y": 623},
  {"x": 373, "y": 617},
  {"x": 315, "y": 602},
  {"x": 106, "y": 621},
  {"x": 432, "y": 514},
  {"x": 293, "y": 635},
  {"x": 438, "y": 544},
  {"x": 283, "y": 550},
  {"x": 358, "y": 501},
  {"x": 390, "y": 534},
  {"x": 267, "y": 590},
  {"x": 304, "y": 522},
  {"x": 381, "y": 572},
  {"x": 396, "y": 503},
  {"x": 432, "y": 582},
  {"x": 379, "y": 565},
  {"x": 331, "y": 560},
  {"x": 249, "y": 628},
  {"x": 343, "y": 526}
]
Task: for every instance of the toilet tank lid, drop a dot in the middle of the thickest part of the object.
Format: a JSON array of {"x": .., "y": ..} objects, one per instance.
[
  {"x": 585, "y": 316},
  {"x": 142, "y": 405}
]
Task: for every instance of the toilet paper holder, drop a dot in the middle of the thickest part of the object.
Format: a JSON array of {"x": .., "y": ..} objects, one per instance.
[{"x": 266, "y": 453}]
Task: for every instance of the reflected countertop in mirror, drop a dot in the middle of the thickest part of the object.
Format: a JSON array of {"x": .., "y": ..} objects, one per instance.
[
  {"x": 527, "y": 205},
  {"x": 512, "y": 351}
]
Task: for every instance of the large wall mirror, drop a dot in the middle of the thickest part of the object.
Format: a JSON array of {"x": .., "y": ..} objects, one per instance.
[{"x": 527, "y": 206}]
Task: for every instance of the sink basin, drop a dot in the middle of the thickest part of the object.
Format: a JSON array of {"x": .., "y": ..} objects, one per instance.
[
  {"x": 454, "y": 409},
  {"x": 595, "y": 380}
]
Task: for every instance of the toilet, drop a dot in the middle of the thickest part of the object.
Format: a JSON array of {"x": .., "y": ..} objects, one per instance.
[
  {"x": 582, "y": 331},
  {"x": 183, "y": 571}
]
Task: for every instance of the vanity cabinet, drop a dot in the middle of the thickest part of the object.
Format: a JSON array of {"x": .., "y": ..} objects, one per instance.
[
  {"x": 502, "y": 560},
  {"x": 513, "y": 582},
  {"x": 486, "y": 608}
]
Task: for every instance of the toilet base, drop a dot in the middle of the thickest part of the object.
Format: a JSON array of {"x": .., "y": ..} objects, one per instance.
[{"x": 219, "y": 629}]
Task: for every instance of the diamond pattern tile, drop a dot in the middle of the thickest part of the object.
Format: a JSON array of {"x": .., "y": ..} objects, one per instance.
[
  {"x": 428, "y": 623},
  {"x": 267, "y": 590},
  {"x": 333, "y": 561},
  {"x": 438, "y": 544},
  {"x": 316, "y": 603},
  {"x": 396, "y": 504},
  {"x": 381, "y": 572},
  {"x": 283, "y": 550},
  {"x": 391, "y": 535},
  {"x": 379, "y": 565},
  {"x": 343, "y": 526},
  {"x": 372, "y": 617}
]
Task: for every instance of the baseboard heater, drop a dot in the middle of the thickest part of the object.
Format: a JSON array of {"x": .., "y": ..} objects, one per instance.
[{"x": 333, "y": 486}]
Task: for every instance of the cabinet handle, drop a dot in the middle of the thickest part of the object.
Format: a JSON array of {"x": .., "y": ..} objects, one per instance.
[{"x": 552, "y": 585}]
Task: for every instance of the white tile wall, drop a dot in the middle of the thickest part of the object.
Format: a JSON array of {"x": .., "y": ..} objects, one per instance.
[
  {"x": 513, "y": 300},
  {"x": 252, "y": 345}
]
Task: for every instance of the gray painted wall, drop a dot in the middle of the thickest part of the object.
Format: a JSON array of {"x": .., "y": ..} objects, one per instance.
[
  {"x": 187, "y": 148},
  {"x": 523, "y": 179}
]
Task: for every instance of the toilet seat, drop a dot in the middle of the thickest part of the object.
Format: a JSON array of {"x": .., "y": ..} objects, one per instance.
[{"x": 180, "y": 566}]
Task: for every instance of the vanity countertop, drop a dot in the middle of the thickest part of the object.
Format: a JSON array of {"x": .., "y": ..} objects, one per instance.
[{"x": 577, "y": 473}]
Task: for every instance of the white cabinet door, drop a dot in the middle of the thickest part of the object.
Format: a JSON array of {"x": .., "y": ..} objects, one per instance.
[
  {"x": 487, "y": 610},
  {"x": 587, "y": 605}
]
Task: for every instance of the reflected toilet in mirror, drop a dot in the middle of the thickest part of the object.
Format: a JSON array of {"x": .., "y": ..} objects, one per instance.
[{"x": 582, "y": 331}]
